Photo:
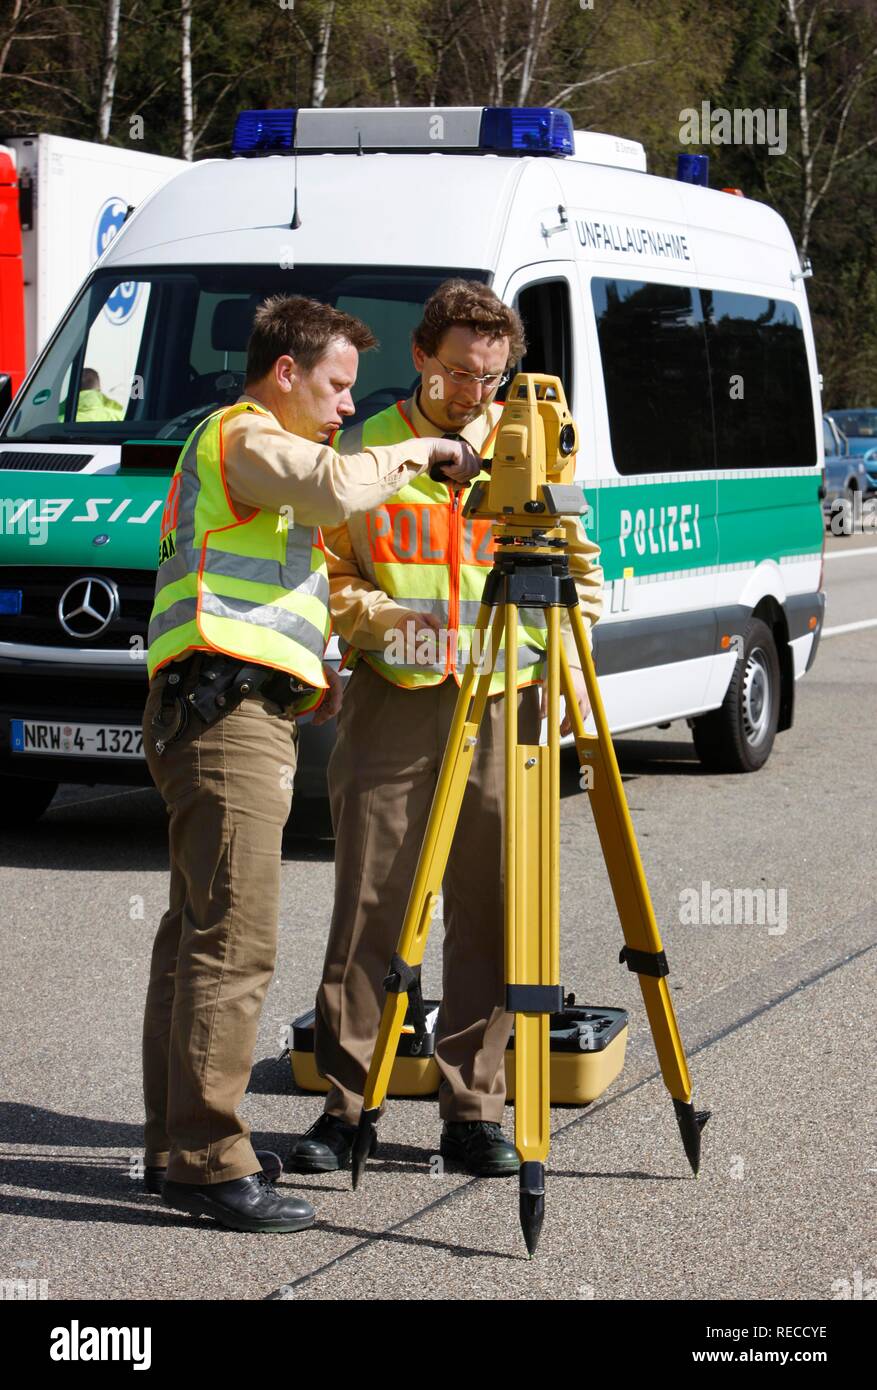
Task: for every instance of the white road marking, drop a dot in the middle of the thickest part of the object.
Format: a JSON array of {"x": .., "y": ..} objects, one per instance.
[
  {"x": 90, "y": 800},
  {"x": 849, "y": 627}
]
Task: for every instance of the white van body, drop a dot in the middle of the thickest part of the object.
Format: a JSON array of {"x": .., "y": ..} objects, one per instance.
[{"x": 700, "y": 560}]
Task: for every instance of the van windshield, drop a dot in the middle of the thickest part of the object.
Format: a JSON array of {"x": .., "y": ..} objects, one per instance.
[{"x": 149, "y": 358}]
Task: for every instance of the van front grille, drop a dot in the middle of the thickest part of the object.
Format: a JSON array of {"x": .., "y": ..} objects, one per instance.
[{"x": 38, "y": 623}]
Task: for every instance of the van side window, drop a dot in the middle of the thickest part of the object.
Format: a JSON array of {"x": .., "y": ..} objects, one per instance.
[
  {"x": 701, "y": 379},
  {"x": 545, "y": 310},
  {"x": 655, "y": 369},
  {"x": 761, "y": 384}
]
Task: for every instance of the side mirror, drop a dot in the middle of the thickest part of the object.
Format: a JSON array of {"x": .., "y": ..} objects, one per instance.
[{"x": 5, "y": 393}]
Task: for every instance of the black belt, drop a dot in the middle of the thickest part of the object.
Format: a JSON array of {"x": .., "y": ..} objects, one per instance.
[{"x": 213, "y": 685}]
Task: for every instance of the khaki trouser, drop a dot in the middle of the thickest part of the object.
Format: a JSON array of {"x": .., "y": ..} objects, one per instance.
[
  {"x": 228, "y": 792},
  {"x": 382, "y": 776}
]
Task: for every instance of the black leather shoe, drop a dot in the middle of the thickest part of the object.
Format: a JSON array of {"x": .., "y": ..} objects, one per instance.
[
  {"x": 325, "y": 1147},
  {"x": 154, "y": 1178},
  {"x": 244, "y": 1204},
  {"x": 480, "y": 1146}
]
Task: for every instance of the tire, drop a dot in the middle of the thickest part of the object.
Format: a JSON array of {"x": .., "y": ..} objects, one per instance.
[
  {"x": 739, "y": 736},
  {"x": 22, "y": 802}
]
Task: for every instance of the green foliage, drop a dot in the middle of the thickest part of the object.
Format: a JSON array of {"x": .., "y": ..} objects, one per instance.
[{"x": 629, "y": 66}]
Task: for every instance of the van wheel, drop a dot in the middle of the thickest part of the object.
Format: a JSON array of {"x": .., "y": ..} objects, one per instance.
[
  {"x": 739, "y": 735},
  {"x": 23, "y": 802}
]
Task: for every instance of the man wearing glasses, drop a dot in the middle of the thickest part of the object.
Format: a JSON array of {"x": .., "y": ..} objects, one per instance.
[{"x": 405, "y": 584}]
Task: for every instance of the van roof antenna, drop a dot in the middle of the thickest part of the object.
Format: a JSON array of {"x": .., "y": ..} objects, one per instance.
[{"x": 296, "y": 220}]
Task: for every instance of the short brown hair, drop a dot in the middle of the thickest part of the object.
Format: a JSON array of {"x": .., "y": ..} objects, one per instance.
[
  {"x": 290, "y": 325},
  {"x": 469, "y": 304}
]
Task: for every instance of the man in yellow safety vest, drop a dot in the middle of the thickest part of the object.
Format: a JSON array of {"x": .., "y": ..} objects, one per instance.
[
  {"x": 236, "y": 644},
  {"x": 405, "y": 583}
]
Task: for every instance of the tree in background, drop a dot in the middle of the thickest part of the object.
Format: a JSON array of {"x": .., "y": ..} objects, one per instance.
[{"x": 170, "y": 75}]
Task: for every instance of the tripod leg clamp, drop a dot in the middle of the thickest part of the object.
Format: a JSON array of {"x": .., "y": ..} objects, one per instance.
[
  {"x": 645, "y": 962},
  {"x": 405, "y": 979},
  {"x": 534, "y": 999}
]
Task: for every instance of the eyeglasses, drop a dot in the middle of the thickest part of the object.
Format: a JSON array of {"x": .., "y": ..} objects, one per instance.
[{"x": 461, "y": 378}]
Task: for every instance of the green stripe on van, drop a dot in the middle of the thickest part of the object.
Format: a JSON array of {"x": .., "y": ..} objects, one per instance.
[{"x": 698, "y": 522}]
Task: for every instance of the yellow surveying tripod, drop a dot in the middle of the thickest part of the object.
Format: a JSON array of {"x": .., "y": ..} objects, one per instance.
[{"x": 530, "y": 493}]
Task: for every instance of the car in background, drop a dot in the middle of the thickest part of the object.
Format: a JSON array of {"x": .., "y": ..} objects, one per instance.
[
  {"x": 846, "y": 474},
  {"x": 859, "y": 427}
]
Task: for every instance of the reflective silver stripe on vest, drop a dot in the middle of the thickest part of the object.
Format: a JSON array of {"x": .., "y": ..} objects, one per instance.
[
  {"x": 269, "y": 615},
  {"x": 183, "y": 611},
  {"x": 533, "y": 617},
  {"x": 438, "y": 606},
  {"x": 527, "y": 656},
  {"x": 296, "y": 576}
]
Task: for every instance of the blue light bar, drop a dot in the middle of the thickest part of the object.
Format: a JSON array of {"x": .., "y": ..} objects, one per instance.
[
  {"x": 264, "y": 132},
  {"x": 693, "y": 168},
  {"x": 10, "y": 600},
  {"x": 526, "y": 130}
]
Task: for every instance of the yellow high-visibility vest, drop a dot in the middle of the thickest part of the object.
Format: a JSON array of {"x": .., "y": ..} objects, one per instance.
[
  {"x": 250, "y": 586},
  {"x": 428, "y": 557}
]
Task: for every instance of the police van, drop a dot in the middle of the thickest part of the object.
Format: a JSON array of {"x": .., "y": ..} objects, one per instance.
[{"x": 675, "y": 315}]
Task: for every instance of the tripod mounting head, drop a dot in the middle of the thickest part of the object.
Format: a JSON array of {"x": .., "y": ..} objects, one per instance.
[{"x": 532, "y": 473}]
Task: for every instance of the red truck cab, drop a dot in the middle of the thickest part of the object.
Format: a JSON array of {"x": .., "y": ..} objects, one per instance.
[{"x": 11, "y": 277}]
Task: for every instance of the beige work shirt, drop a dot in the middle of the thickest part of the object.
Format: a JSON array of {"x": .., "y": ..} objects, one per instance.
[
  {"x": 268, "y": 467},
  {"x": 362, "y": 613}
]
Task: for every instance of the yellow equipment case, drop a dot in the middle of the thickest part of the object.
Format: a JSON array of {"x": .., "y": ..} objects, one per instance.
[
  {"x": 587, "y": 1053},
  {"x": 411, "y": 1075}
]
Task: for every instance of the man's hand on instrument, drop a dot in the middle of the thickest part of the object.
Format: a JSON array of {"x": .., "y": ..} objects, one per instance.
[
  {"x": 411, "y": 624},
  {"x": 331, "y": 702},
  {"x": 582, "y": 701},
  {"x": 453, "y": 460}
]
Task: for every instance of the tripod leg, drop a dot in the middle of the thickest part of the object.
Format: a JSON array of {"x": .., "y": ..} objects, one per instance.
[
  {"x": 404, "y": 976},
  {"x": 532, "y": 899},
  {"x": 642, "y": 950}
]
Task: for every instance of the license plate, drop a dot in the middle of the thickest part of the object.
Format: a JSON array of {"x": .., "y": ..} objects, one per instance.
[{"x": 82, "y": 740}]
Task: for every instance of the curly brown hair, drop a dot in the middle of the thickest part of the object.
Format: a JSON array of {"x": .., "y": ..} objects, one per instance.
[
  {"x": 291, "y": 325},
  {"x": 469, "y": 304}
]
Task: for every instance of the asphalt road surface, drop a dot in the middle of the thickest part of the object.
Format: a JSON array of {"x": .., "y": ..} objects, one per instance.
[{"x": 776, "y": 1019}]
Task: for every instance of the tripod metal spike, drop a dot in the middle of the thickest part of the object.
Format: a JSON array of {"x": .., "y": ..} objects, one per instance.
[
  {"x": 531, "y": 1206},
  {"x": 366, "y": 1133},
  {"x": 691, "y": 1122}
]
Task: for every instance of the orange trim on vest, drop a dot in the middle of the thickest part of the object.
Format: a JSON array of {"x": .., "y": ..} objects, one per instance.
[
  {"x": 231, "y": 506},
  {"x": 407, "y": 421},
  {"x": 489, "y": 440}
]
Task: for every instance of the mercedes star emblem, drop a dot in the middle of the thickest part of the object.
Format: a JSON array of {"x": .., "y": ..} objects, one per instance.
[{"x": 88, "y": 606}]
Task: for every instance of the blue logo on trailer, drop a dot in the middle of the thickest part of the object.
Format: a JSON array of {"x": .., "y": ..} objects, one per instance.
[{"x": 121, "y": 303}]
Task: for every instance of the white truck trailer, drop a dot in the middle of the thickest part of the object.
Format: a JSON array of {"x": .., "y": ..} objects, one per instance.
[{"x": 64, "y": 202}]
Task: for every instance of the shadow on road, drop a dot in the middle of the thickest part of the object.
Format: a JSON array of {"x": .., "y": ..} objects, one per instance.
[
  {"x": 93, "y": 828},
  {"x": 118, "y": 830}
]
